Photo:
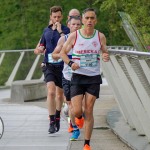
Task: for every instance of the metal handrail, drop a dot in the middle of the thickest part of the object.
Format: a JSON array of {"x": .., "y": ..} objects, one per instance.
[
  {"x": 11, "y": 51},
  {"x": 26, "y": 50},
  {"x": 129, "y": 52},
  {"x": 114, "y": 50}
]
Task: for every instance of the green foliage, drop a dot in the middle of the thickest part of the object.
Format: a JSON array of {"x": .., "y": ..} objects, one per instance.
[
  {"x": 139, "y": 12},
  {"x": 22, "y": 23}
]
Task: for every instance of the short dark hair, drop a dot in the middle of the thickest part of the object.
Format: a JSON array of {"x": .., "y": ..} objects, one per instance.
[
  {"x": 88, "y": 9},
  {"x": 55, "y": 9}
]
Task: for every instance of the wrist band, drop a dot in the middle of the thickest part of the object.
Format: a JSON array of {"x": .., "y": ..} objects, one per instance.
[{"x": 70, "y": 63}]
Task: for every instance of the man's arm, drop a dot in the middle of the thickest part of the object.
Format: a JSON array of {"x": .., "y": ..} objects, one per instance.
[
  {"x": 66, "y": 48},
  {"x": 40, "y": 49},
  {"x": 56, "y": 52},
  {"x": 105, "y": 55}
]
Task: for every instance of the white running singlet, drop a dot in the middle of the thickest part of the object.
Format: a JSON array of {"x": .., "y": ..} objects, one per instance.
[
  {"x": 86, "y": 52},
  {"x": 67, "y": 71}
]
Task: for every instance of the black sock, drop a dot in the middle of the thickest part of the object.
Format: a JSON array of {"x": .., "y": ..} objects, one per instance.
[
  {"x": 57, "y": 115},
  {"x": 87, "y": 142},
  {"x": 52, "y": 118},
  {"x": 80, "y": 117}
]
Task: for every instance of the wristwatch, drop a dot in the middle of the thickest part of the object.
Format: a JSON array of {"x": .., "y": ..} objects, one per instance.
[{"x": 61, "y": 33}]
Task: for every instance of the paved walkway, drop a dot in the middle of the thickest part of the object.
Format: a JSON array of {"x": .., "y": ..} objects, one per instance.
[{"x": 26, "y": 126}]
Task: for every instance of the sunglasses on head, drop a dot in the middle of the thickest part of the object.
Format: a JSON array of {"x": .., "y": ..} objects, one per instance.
[{"x": 75, "y": 16}]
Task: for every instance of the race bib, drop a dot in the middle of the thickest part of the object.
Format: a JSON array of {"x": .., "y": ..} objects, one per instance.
[
  {"x": 51, "y": 60},
  {"x": 88, "y": 60}
]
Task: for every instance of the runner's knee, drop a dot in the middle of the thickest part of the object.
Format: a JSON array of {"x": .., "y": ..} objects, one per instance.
[
  {"x": 51, "y": 93},
  {"x": 77, "y": 113}
]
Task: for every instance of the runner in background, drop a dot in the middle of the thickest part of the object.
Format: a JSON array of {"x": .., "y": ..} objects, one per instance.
[
  {"x": 74, "y": 23},
  {"x": 53, "y": 70}
]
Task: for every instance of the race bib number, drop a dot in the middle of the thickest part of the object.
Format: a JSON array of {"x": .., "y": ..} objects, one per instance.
[
  {"x": 51, "y": 60},
  {"x": 88, "y": 60}
]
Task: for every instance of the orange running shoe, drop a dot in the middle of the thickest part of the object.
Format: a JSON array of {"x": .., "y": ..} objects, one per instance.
[
  {"x": 86, "y": 147},
  {"x": 70, "y": 129},
  {"x": 79, "y": 122}
]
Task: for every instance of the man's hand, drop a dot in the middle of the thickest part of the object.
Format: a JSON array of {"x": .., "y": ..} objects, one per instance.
[
  {"x": 58, "y": 27},
  {"x": 74, "y": 66},
  {"x": 39, "y": 50},
  {"x": 105, "y": 57}
]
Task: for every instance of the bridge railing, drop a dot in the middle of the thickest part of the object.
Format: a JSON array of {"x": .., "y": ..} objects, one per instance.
[
  {"x": 128, "y": 75},
  {"x": 36, "y": 61},
  {"x": 20, "y": 60}
]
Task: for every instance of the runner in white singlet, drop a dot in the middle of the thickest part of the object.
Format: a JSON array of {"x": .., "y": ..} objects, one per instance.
[{"x": 86, "y": 79}]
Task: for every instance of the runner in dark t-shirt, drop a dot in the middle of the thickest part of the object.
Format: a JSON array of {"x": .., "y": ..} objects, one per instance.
[{"x": 53, "y": 69}]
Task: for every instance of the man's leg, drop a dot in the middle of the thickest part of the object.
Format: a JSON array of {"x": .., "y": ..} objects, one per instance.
[
  {"x": 71, "y": 113},
  {"x": 51, "y": 93},
  {"x": 59, "y": 98},
  {"x": 59, "y": 101},
  {"x": 71, "y": 116},
  {"x": 77, "y": 105},
  {"x": 89, "y": 119},
  {"x": 76, "y": 131}
]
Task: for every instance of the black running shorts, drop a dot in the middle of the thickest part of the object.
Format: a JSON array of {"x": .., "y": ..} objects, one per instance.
[
  {"x": 80, "y": 84},
  {"x": 81, "y": 89},
  {"x": 53, "y": 73},
  {"x": 66, "y": 87}
]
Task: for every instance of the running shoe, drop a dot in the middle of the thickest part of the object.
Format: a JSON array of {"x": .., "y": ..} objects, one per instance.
[
  {"x": 57, "y": 121},
  {"x": 75, "y": 135},
  {"x": 79, "y": 122},
  {"x": 70, "y": 129},
  {"x": 86, "y": 147},
  {"x": 52, "y": 128}
]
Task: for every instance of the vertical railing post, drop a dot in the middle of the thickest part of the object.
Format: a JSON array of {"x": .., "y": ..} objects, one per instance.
[
  {"x": 1, "y": 58},
  {"x": 32, "y": 70},
  {"x": 14, "y": 72}
]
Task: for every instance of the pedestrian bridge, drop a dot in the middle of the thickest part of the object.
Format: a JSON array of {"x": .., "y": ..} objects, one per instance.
[{"x": 127, "y": 74}]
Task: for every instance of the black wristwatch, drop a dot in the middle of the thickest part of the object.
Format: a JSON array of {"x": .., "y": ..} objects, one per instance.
[{"x": 70, "y": 63}]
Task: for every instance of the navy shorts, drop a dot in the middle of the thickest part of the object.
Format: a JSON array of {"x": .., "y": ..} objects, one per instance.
[
  {"x": 53, "y": 73},
  {"x": 66, "y": 87}
]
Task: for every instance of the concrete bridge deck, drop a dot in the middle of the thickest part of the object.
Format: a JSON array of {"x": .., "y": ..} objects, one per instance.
[{"x": 26, "y": 126}]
